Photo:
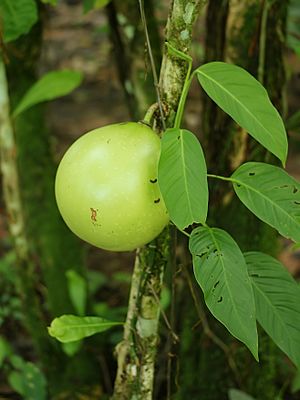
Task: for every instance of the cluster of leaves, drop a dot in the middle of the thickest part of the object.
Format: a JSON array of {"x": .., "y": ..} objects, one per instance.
[
  {"x": 238, "y": 288},
  {"x": 19, "y": 16},
  {"x": 23, "y": 376}
]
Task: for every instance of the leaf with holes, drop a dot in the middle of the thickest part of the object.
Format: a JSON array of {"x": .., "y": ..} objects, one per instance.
[
  {"x": 18, "y": 16},
  {"x": 277, "y": 297},
  {"x": 69, "y": 328},
  {"x": 271, "y": 194},
  {"x": 221, "y": 272},
  {"x": 182, "y": 177},
  {"x": 50, "y": 86},
  {"x": 241, "y": 96}
]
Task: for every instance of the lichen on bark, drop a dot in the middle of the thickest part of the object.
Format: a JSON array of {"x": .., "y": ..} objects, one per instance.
[{"x": 137, "y": 352}]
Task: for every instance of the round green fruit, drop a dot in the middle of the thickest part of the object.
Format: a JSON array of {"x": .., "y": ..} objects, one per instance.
[{"x": 106, "y": 187}]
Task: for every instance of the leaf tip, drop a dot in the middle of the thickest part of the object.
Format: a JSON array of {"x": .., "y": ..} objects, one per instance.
[{"x": 50, "y": 331}]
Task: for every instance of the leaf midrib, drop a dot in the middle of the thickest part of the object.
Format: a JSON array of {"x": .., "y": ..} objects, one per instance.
[
  {"x": 291, "y": 217},
  {"x": 266, "y": 298},
  {"x": 184, "y": 175},
  {"x": 224, "y": 271},
  {"x": 239, "y": 102},
  {"x": 93, "y": 325}
]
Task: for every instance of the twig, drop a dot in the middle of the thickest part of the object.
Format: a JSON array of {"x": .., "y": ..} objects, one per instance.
[
  {"x": 262, "y": 41},
  {"x": 152, "y": 62},
  {"x": 168, "y": 324},
  {"x": 209, "y": 333}
]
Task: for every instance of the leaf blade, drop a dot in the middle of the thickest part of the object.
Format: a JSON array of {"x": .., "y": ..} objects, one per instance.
[
  {"x": 89, "y": 5},
  {"x": 51, "y": 86},
  {"x": 77, "y": 288},
  {"x": 277, "y": 298},
  {"x": 221, "y": 272},
  {"x": 182, "y": 178},
  {"x": 271, "y": 194},
  {"x": 242, "y": 97},
  {"x": 235, "y": 394},
  {"x": 70, "y": 328},
  {"x": 18, "y": 17}
]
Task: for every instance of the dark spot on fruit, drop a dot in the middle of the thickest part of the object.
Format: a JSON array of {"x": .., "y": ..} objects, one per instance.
[
  {"x": 153, "y": 180},
  {"x": 94, "y": 214},
  {"x": 157, "y": 201}
]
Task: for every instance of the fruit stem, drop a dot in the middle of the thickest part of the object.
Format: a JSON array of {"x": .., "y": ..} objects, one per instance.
[
  {"x": 183, "y": 97},
  {"x": 149, "y": 114}
]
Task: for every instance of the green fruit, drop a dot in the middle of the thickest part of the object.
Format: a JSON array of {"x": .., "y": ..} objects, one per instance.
[{"x": 106, "y": 187}]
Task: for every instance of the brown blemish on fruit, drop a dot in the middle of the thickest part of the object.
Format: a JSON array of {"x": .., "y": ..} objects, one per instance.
[{"x": 94, "y": 214}]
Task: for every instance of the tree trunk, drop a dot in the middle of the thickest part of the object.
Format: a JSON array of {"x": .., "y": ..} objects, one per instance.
[
  {"x": 137, "y": 352},
  {"x": 51, "y": 248},
  {"x": 27, "y": 283}
]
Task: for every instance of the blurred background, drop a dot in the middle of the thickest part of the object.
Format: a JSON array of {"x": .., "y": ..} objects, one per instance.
[{"x": 59, "y": 274}]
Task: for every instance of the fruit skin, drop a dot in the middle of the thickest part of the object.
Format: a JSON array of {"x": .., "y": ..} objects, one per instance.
[{"x": 106, "y": 187}]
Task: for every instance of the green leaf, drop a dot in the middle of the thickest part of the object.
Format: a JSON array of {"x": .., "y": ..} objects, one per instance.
[
  {"x": 277, "y": 298},
  {"x": 271, "y": 194},
  {"x": 89, "y": 5},
  {"x": 221, "y": 272},
  {"x": 103, "y": 310},
  {"x": 77, "y": 287},
  {"x": 29, "y": 382},
  {"x": 72, "y": 348},
  {"x": 293, "y": 122},
  {"x": 96, "y": 280},
  {"x": 69, "y": 328},
  {"x": 295, "y": 387},
  {"x": 122, "y": 277},
  {"x": 165, "y": 297},
  {"x": 18, "y": 16},
  {"x": 235, "y": 394},
  {"x": 51, "y": 86},
  {"x": 182, "y": 178},
  {"x": 52, "y": 2},
  {"x": 241, "y": 96},
  {"x": 5, "y": 350}
]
